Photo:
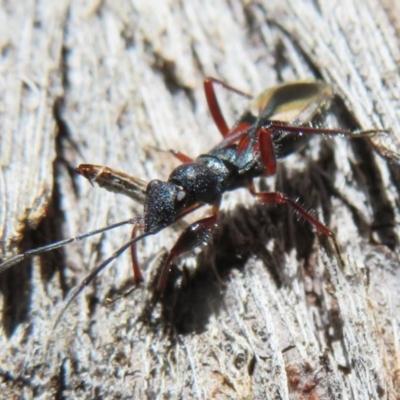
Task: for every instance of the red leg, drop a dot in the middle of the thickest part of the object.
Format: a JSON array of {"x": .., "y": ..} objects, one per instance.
[
  {"x": 137, "y": 274},
  {"x": 194, "y": 235},
  {"x": 213, "y": 104},
  {"x": 181, "y": 157},
  {"x": 266, "y": 146},
  {"x": 281, "y": 198},
  {"x": 267, "y": 151},
  {"x": 262, "y": 144}
]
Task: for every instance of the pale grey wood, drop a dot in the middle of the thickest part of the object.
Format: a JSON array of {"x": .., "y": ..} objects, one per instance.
[{"x": 130, "y": 74}]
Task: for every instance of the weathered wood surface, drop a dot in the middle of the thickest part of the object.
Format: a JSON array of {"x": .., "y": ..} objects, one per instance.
[{"x": 267, "y": 313}]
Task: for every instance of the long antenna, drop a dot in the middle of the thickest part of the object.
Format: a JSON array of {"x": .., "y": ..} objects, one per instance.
[
  {"x": 30, "y": 253},
  {"x": 95, "y": 272}
]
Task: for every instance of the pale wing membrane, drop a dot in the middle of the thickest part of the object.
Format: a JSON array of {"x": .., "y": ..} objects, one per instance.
[{"x": 279, "y": 103}]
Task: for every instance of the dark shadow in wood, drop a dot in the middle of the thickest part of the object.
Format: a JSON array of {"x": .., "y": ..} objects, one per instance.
[
  {"x": 15, "y": 283},
  {"x": 242, "y": 234}
]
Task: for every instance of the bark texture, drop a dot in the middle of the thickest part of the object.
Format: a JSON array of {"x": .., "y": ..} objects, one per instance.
[{"x": 264, "y": 311}]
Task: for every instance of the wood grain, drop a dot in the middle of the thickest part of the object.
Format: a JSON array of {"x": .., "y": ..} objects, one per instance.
[{"x": 264, "y": 311}]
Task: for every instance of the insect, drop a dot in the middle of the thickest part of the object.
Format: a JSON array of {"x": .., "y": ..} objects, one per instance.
[{"x": 277, "y": 123}]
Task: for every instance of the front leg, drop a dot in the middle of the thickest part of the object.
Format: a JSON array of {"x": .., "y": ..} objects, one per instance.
[{"x": 193, "y": 236}]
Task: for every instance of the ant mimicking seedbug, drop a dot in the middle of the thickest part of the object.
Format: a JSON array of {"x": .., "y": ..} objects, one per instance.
[{"x": 277, "y": 123}]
